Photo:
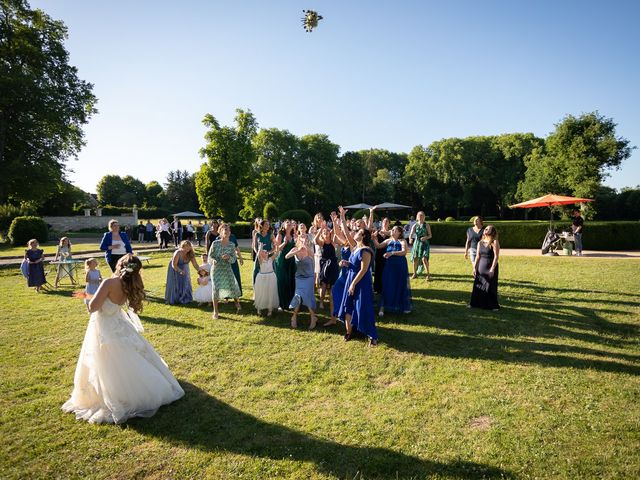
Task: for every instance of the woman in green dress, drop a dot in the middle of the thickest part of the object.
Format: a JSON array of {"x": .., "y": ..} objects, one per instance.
[
  {"x": 419, "y": 237},
  {"x": 222, "y": 255}
]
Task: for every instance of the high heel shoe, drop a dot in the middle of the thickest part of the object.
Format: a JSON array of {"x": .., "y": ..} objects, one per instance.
[{"x": 348, "y": 336}]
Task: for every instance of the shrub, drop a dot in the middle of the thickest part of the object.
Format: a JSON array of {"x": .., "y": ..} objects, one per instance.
[
  {"x": 300, "y": 216},
  {"x": 242, "y": 229},
  {"x": 7, "y": 213},
  {"x": 449, "y": 219},
  {"x": 270, "y": 211},
  {"x": 23, "y": 229}
]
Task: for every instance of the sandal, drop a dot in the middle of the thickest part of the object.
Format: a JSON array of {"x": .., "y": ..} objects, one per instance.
[
  {"x": 294, "y": 321},
  {"x": 314, "y": 321}
]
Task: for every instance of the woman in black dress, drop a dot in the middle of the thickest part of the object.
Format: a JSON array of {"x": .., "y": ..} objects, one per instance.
[
  {"x": 485, "y": 271},
  {"x": 35, "y": 258}
]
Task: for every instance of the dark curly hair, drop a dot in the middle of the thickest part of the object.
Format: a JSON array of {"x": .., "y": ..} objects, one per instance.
[{"x": 128, "y": 269}]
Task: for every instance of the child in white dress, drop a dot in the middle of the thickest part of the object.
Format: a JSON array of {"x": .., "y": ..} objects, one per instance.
[
  {"x": 266, "y": 285},
  {"x": 204, "y": 293},
  {"x": 93, "y": 278}
]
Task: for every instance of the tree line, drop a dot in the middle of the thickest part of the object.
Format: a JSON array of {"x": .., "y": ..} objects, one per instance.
[{"x": 246, "y": 167}]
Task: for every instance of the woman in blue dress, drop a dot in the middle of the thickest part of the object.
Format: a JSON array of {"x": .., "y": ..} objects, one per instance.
[
  {"x": 356, "y": 309},
  {"x": 178, "y": 289},
  {"x": 34, "y": 257},
  {"x": 305, "y": 281},
  {"x": 338, "y": 287},
  {"x": 396, "y": 292}
]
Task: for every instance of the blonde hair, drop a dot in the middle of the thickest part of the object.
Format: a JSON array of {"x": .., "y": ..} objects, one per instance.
[
  {"x": 33, "y": 241},
  {"x": 63, "y": 239},
  {"x": 88, "y": 262},
  {"x": 190, "y": 254},
  {"x": 111, "y": 222},
  {"x": 128, "y": 269}
]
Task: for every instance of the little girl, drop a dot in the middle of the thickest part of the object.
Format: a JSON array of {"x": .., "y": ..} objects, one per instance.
[
  {"x": 204, "y": 293},
  {"x": 93, "y": 277},
  {"x": 265, "y": 288},
  {"x": 63, "y": 254}
]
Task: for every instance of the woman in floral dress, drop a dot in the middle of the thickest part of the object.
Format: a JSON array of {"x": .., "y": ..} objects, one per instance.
[{"x": 222, "y": 255}]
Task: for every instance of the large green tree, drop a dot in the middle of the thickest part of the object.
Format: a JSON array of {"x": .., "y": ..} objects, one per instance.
[
  {"x": 43, "y": 104},
  {"x": 316, "y": 171},
  {"x": 576, "y": 157},
  {"x": 110, "y": 190},
  {"x": 180, "y": 192},
  {"x": 228, "y": 169},
  {"x": 275, "y": 176}
]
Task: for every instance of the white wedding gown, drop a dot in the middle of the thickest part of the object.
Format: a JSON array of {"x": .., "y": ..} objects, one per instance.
[{"x": 119, "y": 375}]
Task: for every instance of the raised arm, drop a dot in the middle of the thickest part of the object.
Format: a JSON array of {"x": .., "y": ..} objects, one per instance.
[{"x": 370, "y": 220}]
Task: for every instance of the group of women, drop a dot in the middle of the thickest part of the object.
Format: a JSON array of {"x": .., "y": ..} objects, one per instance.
[{"x": 119, "y": 375}]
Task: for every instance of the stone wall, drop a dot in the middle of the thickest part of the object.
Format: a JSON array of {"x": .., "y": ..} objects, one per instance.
[{"x": 68, "y": 224}]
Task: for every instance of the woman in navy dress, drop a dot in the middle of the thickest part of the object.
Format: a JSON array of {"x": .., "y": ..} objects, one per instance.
[
  {"x": 329, "y": 270},
  {"x": 178, "y": 289},
  {"x": 485, "y": 270},
  {"x": 35, "y": 258},
  {"x": 356, "y": 309},
  {"x": 396, "y": 292}
]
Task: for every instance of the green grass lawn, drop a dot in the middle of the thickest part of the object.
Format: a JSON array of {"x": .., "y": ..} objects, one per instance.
[{"x": 546, "y": 388}]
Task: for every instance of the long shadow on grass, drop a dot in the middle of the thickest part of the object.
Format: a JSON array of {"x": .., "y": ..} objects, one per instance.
[
  {"x": 168, "y": 321},
  {"x": 527, "y": 326},
  {"x": 541, "y": 289},
  {"x": 203, "y": 422}
]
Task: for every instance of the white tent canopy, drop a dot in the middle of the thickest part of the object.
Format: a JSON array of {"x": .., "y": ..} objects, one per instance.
[{"x": 188, "y": 214}]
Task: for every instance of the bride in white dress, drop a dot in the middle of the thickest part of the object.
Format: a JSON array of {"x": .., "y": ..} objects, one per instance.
[{"x": 119, "y": 375}]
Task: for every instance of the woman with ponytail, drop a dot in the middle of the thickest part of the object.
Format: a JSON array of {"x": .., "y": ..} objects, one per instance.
[{"x": 119, "y": 375}]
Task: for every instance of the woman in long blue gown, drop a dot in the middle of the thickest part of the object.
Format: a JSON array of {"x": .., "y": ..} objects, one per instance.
[
  {"x": 305, "y": 281},
  {"x": 178, "y": 289},
  {"x": 396, "y": 292},
  {"x": 356, "y": 309}
]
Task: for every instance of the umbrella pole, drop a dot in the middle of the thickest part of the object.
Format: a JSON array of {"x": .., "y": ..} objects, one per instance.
[{"x": 550, "y": 218}]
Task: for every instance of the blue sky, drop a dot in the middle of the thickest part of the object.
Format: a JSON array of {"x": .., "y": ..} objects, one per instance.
[{"x": 375, "y": 74}]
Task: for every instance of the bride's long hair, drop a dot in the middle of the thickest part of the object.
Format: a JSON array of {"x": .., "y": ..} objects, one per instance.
[{"x": 128, "y": 269}]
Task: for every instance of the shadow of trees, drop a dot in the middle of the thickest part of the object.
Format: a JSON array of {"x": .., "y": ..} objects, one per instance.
[{"x": 201, "y": 421}]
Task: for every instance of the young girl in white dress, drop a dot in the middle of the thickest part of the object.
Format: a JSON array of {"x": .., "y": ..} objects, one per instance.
[
  {"x": 265, "y": 289},
  {"x": 119, "y": 375},
  {"x": 204, "y": 293},
  {"x": 93, "y": 278}
]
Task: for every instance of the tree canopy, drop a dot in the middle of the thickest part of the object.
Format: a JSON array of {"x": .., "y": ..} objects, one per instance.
[{"x": 43, "y": 104}]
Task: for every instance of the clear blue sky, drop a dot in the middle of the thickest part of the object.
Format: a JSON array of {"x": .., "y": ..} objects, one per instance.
[{"x": 375, "y": 74}]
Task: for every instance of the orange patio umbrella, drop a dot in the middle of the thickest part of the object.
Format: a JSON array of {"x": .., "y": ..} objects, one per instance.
[{"x": 551, "y": 200}]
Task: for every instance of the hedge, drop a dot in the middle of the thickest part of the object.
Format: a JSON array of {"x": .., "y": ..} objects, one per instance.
[
  {"x": 23, "y": 229},
  {"x": 523, "y": 234},
  {"x": 242, "y": 229}
]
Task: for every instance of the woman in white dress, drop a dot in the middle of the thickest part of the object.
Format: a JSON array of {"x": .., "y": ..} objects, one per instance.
[{"x": 119, "y": 375}]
